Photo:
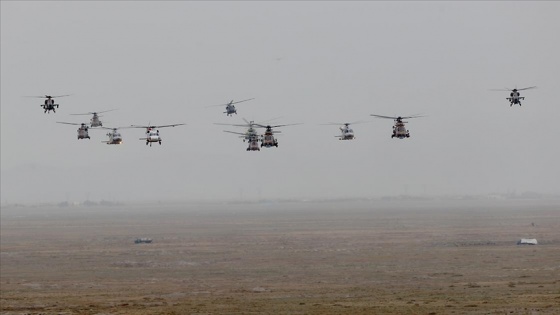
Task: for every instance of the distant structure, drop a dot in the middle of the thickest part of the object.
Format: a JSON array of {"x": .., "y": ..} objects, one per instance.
[
  {"x": 527, "y": 241},
  {"x": 142, "y": 240}
]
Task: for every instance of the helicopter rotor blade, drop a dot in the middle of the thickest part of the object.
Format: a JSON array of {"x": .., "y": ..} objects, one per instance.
[
  {"x": 241, "y": 101},
  {"x": 527, "y": 88},
  {"x": 277, "y": 126},
  {"x": 237, "y": 133},
  {"x": 164, "y": 126},
  {"x": 413, "y": 116},
  {"x": 381, "y": 116},
  {"x": 235, "y": 125},
  {"x": 230, "y": 103},
  {"x": 67, "y": 123}
]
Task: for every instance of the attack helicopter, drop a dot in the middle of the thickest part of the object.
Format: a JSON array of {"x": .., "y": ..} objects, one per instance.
[
  {"x": 230, "y": 107},
  {"x": 82, "y": 131},
  {"x": 94, "y": 121},
  {"x": 49, "y": 102},
  {"x": 346, "y": 132},
  {"x": 268, "y": 140},
  {"x": 152, "y": 134},
  {"x": 399, "y": 130},
  {"x": 514, "y": 95}
]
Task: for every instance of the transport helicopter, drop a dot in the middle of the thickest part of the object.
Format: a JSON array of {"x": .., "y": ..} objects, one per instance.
[
  {"x": 514, "y": 95},
  {"x": 254, "y": 144},
  {"x": 253, "y": 140},
  {"x": 114, "y": 135},
  {"x": 399, "y": 130},
  {"x": 95, "y": 122},
  {"x": 49, "y": 102},
  {"x": 268, "y": 140},
  {"x": 346, "y": 132},
  {"x": 249, "y": 134},
  {"x": 82, "y": 131},
  {"x": 152, "y": 134},
  {"x": 230, "y": 107}
]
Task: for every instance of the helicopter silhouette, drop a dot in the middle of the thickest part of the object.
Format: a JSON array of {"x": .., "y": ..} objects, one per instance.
[
  {"x": 399, "y": 130},
  {"x": 49, "y": 102},
  {"x": 95, "y": 122},
  {"x": 230, "y": 107},
  {"x": 514, "y": 95},
  {"x": 152, "y": 132},
  {"x": 82, "y": 130},
  {"x": 346, "y": 132},
  {"x": 267, "y": 139}
]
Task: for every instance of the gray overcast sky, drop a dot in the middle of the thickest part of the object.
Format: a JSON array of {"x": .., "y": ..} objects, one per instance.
[{"x": 311, "y": 62}]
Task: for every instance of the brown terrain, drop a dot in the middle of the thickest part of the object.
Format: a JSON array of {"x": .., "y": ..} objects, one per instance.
[{"x": 355, "y": 257}]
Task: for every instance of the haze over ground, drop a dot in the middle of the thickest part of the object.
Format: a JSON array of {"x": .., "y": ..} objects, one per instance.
[{"x": 309, "y": 62}]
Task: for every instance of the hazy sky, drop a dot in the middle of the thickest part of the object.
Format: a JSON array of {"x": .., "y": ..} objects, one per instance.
[{"x": 311, "y": 62}]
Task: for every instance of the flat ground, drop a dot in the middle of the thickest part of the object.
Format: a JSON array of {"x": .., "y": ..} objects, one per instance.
[{"x": 367, "y": 257}]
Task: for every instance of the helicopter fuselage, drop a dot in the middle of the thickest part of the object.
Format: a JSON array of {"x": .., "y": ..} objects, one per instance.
[
  {"x": 114, "y": 138},
  {"x": 230, "y": 110},
  {"x": 152, "y": 136},
  {"x": 95, "y": 122},
  {"x": 49, "y": 105},
  {"x": 347, "y": 133},
  {"x": 399, "y": 130},
  {"x": 83, "y": 133},
  {"x": 253, "y": 144},
  {"x": 515, "y": 98},
  {"x": 268, "y": 140}
]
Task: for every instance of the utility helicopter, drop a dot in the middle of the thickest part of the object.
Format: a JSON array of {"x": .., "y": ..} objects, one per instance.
[
  {"x": 346, "y": 133},
  {"x": 230, "y": 107},
  {"x": 253, "y": 140},
  {"x": 94, "y": 121},
  {"x": 114, "y": 135},
  {"x": 247, "y": 135},
  {"x": 514, "y": 95},
  {"x": 49, "y": 102},
  {"x": 267, "y": 139},
  {"x": 82, "y": 131},
  {"x": 152, "y": 134},
  {"x": 399, "y": 130}
]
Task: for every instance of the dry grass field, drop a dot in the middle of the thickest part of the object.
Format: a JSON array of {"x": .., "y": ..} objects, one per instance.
[{"x": 361, "y": 257}]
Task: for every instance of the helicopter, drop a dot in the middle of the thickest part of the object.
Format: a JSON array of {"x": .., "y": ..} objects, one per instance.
[
  {"x": 114, "y": 136},
  {"x": 95, "y": 122},
  {"x": 82, "y": 131},
  {"x": 49, "y": 102},
  {"x": 230, "y": 107},
  {"x": 399, "y": 129},
  {"x": 346, "y": 132},
  {"x": 514, "y": 95},
  {"x": 268, "y": 140},
  {"x": 152, "y": 135},
  {"x": 249, "y": 134},
  {"x": 252, "y": 139}
]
